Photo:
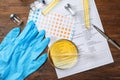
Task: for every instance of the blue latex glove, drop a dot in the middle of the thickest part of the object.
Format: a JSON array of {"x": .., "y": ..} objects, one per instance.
[{"x": 20, "y": 52}]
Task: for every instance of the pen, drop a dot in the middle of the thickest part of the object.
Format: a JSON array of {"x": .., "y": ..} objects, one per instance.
[{"x": 108, "y": 38}]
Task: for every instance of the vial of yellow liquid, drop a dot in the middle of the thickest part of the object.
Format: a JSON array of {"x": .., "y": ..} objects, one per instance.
[{"x": 63, "y": 54}]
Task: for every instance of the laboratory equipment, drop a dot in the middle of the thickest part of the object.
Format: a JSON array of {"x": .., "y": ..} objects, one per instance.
[
  {"x": 63, "y": 54},
  {"x": 16, "y": 19},
  {"x": 114, "y": 43},
  {"x": 86, "y": 13},
  {"x": 50, "y": 6},
  {"x": 69, "y": 9}
]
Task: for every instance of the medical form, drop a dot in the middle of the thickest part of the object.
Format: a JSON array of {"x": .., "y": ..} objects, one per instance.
[{"x": 93, "y": 47}]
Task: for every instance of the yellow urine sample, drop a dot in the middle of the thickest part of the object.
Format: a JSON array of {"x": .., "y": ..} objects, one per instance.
[
  {"x": 63, "y": 54},
  {"x": 86, "y": 13},
  {"x": 50, "y": 6}
]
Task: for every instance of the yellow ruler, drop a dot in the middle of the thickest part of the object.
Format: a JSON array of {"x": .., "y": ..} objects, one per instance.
[
  {"x": 50, "y": 6},
  {"x": 86, "y": 13}
]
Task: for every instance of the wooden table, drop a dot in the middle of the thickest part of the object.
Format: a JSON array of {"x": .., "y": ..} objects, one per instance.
[{"x": 109, "y": 11}]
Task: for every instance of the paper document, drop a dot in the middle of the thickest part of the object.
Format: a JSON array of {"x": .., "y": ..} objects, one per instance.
[
  {"x": 58, "y": 23},
  {"x": 93, "y": 48}
]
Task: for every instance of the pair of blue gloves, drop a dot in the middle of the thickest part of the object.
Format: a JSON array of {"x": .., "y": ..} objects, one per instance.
[{"x": 20, "y": 53}]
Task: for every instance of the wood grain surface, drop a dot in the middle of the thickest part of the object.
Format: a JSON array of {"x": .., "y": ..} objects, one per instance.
[{"x": 109, "y": 11}]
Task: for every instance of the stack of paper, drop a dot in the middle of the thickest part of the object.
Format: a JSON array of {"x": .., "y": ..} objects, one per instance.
[{"x": 93, "y": 48}]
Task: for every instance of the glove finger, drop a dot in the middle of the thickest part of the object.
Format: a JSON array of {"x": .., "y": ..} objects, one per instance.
[
  {"x": 27, "y": 30},
  {"x": 10, "y": 36},
  {"x": 27, "y": 42},
  {"x": 39, "y": 37},
  {"x": 31, "y": 35},
  {"x": 41, "y": 60},
  {"x": 37, "y": 64},
  {"x": 40, "y": 47}
]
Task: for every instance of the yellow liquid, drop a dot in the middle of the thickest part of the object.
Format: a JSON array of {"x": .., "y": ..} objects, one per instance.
[
  {"x": 50, "y": 6},
  {"x": 86, "y": 13},
  {"x": 63, "y": 54}
]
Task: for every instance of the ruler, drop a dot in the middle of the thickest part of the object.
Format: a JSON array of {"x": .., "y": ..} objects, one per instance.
[
  {"x": 86, "y": 13},
  {"x": 50, "y": 6}
]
